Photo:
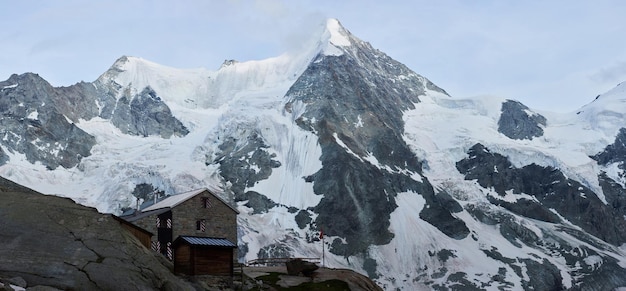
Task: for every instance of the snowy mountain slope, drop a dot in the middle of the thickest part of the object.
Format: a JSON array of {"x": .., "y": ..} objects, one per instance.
[
  {"x": 567, "y": 144},
  {"x": 412, "y": 187},
  {"x": 234, "y": 81}
]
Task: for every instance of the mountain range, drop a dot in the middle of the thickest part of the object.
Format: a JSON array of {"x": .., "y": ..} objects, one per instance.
[{"x": 410, "y": 186}]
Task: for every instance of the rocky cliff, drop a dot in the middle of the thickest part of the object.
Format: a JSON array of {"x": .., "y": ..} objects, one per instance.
[{"x": 52, "y": 241}]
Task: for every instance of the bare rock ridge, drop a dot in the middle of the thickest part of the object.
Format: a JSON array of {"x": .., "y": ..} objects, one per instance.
[
  {"x": 40, "y": 121},
  {"x": 32, "y": 124},
  {"x": 52, "y": 241}
]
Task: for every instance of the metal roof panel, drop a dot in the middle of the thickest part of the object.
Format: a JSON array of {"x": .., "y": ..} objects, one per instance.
[{"x": 208, "y": 241}]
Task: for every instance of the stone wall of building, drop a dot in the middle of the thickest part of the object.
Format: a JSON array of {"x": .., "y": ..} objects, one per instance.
[
  {"x": 219, "y": 219},
  {"x": 148, "y": 223}
]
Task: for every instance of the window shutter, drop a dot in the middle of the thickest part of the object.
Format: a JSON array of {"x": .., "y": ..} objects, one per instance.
[
  {"x": 201, "y": 225},
  {"x": 158, "y": 222},
  {"x": 170, "y": 253},
  {"x": 169, "y": 223},
  {"x": 206, "y": 202}
]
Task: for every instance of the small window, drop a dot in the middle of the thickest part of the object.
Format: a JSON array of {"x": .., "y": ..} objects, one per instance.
[
  {"x": 206, "y": 202},
  {"x": 201, "y": 225}
]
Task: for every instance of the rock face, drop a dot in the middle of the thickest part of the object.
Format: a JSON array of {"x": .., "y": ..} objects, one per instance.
[
  {"x": 51, "y": 241},
  {"x": 33, "y": 125},
  {"x": 518, "y": 122},
  {"x": 146, "y": 114},
  {"x": 40, "y": 121},
  {"x": 238, "y": 160},
  {"x": 551, "y": 190},
  {"x": 357, "y": 115},
  {"x": 322, "y": 279},
  {"x": 297, "y": 266},
  {"x": 614, "y": 153}
]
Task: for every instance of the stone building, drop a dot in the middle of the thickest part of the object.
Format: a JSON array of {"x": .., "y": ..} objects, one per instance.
[{"x": 197, "y": 213}]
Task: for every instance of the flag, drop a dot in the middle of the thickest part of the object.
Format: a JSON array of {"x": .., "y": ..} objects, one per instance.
[{"x": 321, "y": 233}]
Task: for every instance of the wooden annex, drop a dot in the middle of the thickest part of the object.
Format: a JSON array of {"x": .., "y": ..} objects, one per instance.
[
  {"x": 203, "y": 255},
  {"x": 144, "y": 236}
]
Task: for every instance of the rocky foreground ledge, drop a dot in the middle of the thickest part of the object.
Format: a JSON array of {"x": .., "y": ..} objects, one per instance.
[
  {"x": 277, "y": 278},
  {"x": 48, "y": 241}
]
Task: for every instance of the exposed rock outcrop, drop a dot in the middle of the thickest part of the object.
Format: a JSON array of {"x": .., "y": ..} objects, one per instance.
[
  {"x": 518, "y": 122},
  {"x": 52, "y": 241},
  {"x": 39, "y": 121},
  {"x": 298, "y": 266},
  {"x": 357, "y": 116},
  {"x": 550, "y": 193},
  {"x": 32, "y": 124},
  {"x": 615, "y": 152},
  {"x": 552, "y": 190},
  {"x": 322, "y": 279},
  {"x": 146, "y": 114}
]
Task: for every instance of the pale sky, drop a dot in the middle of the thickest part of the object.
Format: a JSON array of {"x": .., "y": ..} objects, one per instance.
[{"x": 550, "y": 55}]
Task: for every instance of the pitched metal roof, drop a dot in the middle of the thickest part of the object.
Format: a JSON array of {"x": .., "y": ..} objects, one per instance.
[
  {"x": 141, "y": 214},
  {"x": 126, "y": 222},
  {"x": 176, "y": 199},
  {"x": 207, "y": 241}
]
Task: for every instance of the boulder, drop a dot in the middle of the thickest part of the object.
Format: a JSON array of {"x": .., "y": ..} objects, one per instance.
[{"x": 297, "y": 266}]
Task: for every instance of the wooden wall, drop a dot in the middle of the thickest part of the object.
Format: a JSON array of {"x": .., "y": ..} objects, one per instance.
[
  {"x": 182, "y": 259},
  {"x": 143, "y": 236},
  {"x": 213, "y": 261},
  {"x": 203, "y": 260}
]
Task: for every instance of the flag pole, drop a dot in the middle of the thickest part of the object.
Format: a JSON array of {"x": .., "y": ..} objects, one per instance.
[{"x": 323, "y": 247}]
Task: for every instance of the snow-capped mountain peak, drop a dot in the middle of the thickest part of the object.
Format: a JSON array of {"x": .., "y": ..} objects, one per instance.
[
  {"x": 411, "y": 186},
  {"x": 130, "y": 75},
  {"x": 334, "y": 38},
  {"x": 202, "y": 88},
  {"x": 339, "y": 36},
  {"x": 606, "y": 112}
]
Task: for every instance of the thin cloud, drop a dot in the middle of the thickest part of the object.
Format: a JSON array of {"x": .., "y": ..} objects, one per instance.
[{"x": 613, "y": 73}]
